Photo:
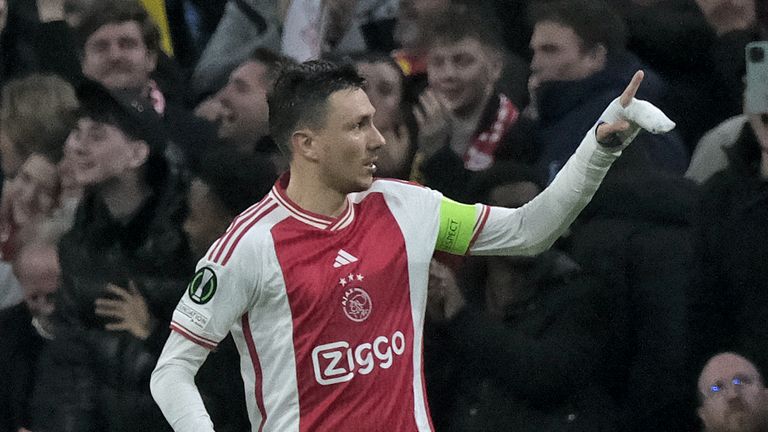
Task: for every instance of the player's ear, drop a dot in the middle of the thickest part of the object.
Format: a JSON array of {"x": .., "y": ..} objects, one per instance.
[{"x": 304, "y": 144}]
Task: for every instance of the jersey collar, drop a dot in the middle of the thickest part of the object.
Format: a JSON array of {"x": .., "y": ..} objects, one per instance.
[{"x": 310, "y": 218}]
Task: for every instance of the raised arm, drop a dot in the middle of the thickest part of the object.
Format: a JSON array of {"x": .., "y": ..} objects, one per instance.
[{"x": 534, "y": 227}]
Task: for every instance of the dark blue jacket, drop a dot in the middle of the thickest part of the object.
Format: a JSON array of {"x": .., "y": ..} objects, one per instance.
[{"x": 568, "y": 109}]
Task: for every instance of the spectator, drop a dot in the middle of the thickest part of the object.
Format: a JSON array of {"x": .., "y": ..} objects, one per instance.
[
  {"x": 732, "y": 395},
  {"x": 36, "y": 115},
  {"x": 734, "y": 23},
  {"x": 226, "y": 185},
  {"x": 705, "y": 64},
  {"x": 240, "y": 108},
  {"x": 385, "y": 88},
  {"x": 674, "y": 39},
  {"x": 729, "y": 304},
  {"x": 579, "y": 62},
  {"x": 519, "y": 346},
  {"x": 119, "y": 47},
  {"x": 464, "y": 122},
  {"x": 31, "y": 198},
  {"x": 123, "y": 268},
  {"x": 637, "y": 235},
  {"x": 26, "y": 329},
  {"x": 244, "y": 26},
  {"x": 710, "y": 155}
]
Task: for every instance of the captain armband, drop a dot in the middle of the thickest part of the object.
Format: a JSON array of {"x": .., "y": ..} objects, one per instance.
[{"x": 457, "y": 225}]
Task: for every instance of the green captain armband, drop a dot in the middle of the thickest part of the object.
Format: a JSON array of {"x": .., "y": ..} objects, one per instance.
[{"x": 457, "y": 224}]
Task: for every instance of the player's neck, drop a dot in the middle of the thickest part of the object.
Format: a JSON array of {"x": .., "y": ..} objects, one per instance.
[{"x": 313, "y": 195}]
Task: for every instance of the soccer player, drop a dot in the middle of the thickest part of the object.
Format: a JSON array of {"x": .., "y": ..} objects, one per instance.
[{"x": 323, "y": 283}]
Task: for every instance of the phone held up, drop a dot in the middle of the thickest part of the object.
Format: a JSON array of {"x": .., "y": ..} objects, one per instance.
[{"x": 756, "y": 98}]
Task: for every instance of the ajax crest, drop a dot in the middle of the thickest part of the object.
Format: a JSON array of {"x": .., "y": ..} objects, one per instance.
[{"x": 356, "y": 303}]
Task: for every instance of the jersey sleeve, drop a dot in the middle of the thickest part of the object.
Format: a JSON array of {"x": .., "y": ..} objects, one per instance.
[
  {"x": 218, "y": 293},
  {"x": 533, "y": 228}
]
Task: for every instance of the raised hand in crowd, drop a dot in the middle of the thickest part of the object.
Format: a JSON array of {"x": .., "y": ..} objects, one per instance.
[
  {"x": 433, "y": 122},
  {"x": 532, "y": 110},
  {"x": 129, "y": 310},
  {"x": 445, "y": 299}
]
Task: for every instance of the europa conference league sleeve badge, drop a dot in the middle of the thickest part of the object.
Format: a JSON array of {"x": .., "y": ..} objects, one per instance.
[{"x": 203, "y": 286}]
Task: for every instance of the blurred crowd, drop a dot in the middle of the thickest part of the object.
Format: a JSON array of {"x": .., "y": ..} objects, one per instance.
[{"x": 132, "y": 132}]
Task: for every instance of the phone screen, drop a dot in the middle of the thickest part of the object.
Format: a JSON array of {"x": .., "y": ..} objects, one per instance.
[{"x": 756, "y": 98}]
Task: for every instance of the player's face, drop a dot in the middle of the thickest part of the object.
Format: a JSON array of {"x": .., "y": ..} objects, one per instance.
[
  {"x": 102, "y": 153},
  {"x": 349, "y": 142},
  {"x": 462, "y": 73},
  {"x": 558, "y": 54},
  {"x": 116, "y": 56},
  {"x": 205, "y": 220}
]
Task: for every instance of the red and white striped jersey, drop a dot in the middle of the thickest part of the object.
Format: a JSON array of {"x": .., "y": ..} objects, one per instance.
[{"x": 328, "y": 313}]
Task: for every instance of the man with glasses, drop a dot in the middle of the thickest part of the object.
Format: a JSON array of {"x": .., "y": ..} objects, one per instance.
[{"x": 732, "y": 395}]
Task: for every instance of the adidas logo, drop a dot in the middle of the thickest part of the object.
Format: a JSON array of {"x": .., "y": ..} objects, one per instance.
[{"x": 343, "y": 258}]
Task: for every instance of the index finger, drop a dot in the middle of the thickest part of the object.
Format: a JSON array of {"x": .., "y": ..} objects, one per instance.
[{"x": 631, "y": 90}]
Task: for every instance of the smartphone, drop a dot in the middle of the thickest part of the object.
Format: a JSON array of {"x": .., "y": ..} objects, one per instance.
[{"x": 756, "y": 98}]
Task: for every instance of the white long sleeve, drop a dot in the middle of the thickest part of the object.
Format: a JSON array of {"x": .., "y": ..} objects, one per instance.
[
  {"x": 173, "y": 385},
  {"x": 533, "y": 228}
]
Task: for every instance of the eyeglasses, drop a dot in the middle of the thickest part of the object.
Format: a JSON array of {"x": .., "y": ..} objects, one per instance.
[{"x": 738, "y": 382}]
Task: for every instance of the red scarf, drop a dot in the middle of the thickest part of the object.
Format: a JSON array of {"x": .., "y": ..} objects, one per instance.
[
  {"x": 156, "y": 98},
  {"x": 480, "y": 154}
]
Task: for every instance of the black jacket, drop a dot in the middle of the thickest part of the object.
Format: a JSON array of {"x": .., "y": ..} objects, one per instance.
[
  {"x": 637, "y": 234},
  {"x": 97, "y": 380},
  {"x": 568, "y": 109},
  {"x": 20, "y": 347},
  {"x": 535, "y": 371},
  {"x": 730, "y": 306}
]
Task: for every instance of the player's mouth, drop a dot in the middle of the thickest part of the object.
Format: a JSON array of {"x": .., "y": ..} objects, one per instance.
[{"x": 371, "y": 166}]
